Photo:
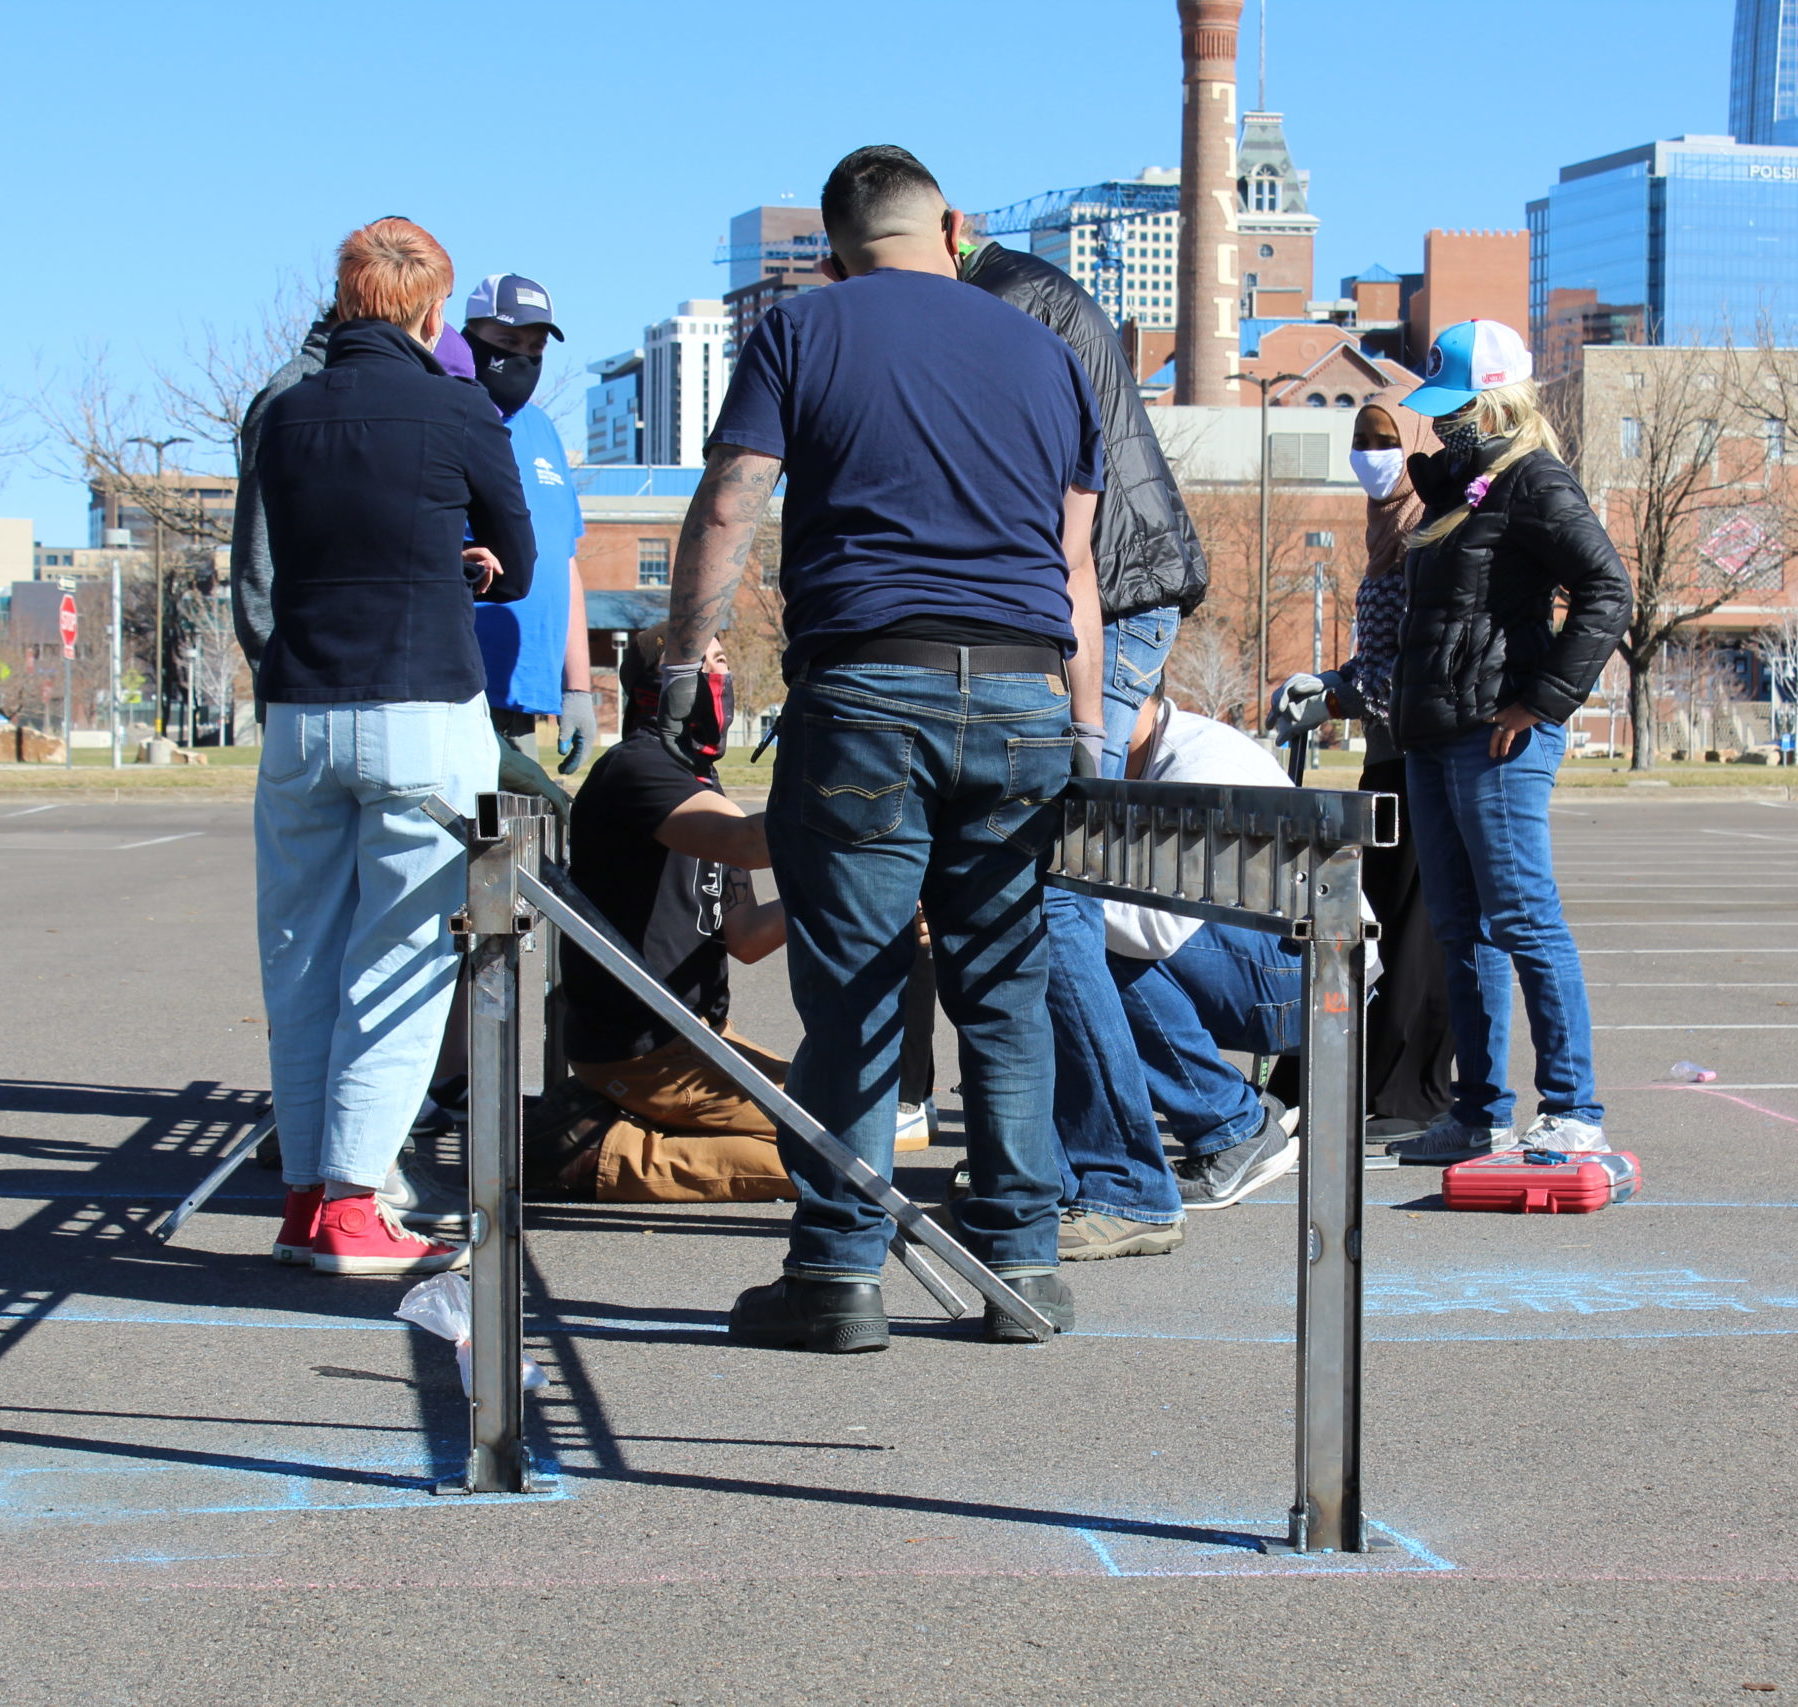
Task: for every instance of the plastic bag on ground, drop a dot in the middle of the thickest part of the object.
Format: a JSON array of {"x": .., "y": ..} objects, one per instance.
[{"x": 440, "y": 1306}]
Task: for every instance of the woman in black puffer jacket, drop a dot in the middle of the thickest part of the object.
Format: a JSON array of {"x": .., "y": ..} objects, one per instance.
[{"x": 1482, "y": 689}]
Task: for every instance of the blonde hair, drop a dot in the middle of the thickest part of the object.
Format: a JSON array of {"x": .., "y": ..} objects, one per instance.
[{"x": 1511, "y": 412}]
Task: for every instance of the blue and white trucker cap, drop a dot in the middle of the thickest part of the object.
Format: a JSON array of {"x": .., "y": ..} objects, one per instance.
[
  {"x": 514, "y": 300},
  {"x": 1475, "y": 356}
]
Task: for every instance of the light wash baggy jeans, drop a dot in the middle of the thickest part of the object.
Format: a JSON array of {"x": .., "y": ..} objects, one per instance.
[{"x": 354, "y": 887}]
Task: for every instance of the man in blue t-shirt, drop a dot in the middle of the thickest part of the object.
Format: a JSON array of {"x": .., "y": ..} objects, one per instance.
[
  {"x": 942, "y": 455},
  {"x": 535, "y": 650}
]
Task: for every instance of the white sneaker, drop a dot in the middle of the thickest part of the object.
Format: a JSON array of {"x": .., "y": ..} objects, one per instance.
[
  {"x": 1445, "y": 1140},
  {"x": 424, "y": 1202},
  {"x": 917, "y": 1125},
  {"x": 1561, "y": 1132}
]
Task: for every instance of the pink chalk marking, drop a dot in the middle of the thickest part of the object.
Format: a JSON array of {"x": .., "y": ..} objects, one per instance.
[{"x": 1740, "y": 1102}]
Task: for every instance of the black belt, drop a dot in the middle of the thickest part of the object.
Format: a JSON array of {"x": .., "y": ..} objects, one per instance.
[{"x": 940, "y": 655}]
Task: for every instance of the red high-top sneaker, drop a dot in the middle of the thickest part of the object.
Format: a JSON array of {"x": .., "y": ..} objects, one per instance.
[
  {"x": 299, "y": 1224},
  {"x": 362, "y": 1235}
]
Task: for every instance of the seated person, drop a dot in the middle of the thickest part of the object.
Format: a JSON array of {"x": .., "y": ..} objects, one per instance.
[
  {"x": 665, "y": 857},
  {"x": 1192, "y": 989}
]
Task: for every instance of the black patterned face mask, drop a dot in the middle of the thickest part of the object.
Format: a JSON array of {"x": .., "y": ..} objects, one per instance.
[{"x": 1462, "y": 439}]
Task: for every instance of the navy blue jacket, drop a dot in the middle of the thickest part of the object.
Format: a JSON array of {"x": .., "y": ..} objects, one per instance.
[{"x": 373, "y": 475}]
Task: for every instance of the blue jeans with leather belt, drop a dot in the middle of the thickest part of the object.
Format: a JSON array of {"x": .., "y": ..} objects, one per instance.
[{"x": 893, "y": 784}]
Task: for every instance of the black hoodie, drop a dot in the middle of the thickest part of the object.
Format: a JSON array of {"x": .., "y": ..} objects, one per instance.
[{"x": 373, "y": 474}]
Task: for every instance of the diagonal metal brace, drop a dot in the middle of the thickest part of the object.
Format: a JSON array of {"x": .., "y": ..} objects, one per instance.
[{"x": 555, "y": 896}]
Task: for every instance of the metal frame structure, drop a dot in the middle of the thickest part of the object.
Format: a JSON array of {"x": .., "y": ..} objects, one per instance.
[
  {"x": 1279, "y": 860},
  {"x": 1288, "y": 861}
]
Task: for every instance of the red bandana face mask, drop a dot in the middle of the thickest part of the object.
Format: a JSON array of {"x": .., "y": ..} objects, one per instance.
[
  {"x": 713, "y": 711},
  {"x": 713, "y": 715}
]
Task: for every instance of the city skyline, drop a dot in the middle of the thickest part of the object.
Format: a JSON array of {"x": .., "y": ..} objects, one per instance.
[{"x": 622, "y": 252}]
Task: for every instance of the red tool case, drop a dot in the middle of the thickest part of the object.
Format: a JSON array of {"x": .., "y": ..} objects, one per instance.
[{"x": 1542, "y": 1182}]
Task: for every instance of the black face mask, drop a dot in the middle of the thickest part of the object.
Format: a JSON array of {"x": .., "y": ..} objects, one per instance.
[{"x": 509, "y": 378}]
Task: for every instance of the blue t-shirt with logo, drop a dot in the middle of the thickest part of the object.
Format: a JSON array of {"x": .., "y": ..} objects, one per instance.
[
  {"x": 930, "y": 433},
  {"x": 523, "y": 644}
]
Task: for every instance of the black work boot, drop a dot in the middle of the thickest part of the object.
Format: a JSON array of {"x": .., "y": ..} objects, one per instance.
[
  {"x": 1052, "y": 1297},
  {"x": 820, "y": 1315}
]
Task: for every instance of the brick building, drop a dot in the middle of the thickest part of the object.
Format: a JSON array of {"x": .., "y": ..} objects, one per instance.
[{"x": 1469, "y": 275}]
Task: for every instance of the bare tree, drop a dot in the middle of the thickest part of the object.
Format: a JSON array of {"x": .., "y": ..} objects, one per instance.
[
  {"x": 757, "y": 636},
  {"x": 1211, "y": 669},
  {"x": 1777, "y": 644},
  {"x": 1675, "y": 452}
]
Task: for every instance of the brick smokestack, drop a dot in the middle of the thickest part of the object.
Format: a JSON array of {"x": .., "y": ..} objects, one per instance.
[{"x": 1206, "y": 337}]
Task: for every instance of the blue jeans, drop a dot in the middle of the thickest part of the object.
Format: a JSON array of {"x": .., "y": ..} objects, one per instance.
[
  {"x": 1483, "y": 853},
  {"x": 354, "y": 886},
  {"x": 1112, "y": 1159},
  {"x": 893, "y": 784},
  {"x": 1225, "y": 988},
  {"x": 1136, "y": 648}
]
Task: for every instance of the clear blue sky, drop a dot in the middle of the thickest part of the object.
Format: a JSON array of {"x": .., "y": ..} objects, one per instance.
[{"x": 169, "y": 163}]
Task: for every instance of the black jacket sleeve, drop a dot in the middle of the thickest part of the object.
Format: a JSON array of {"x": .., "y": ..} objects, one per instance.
[
  {"x": 1560, "y": 531},
  {"x": 498, "y": 516}
]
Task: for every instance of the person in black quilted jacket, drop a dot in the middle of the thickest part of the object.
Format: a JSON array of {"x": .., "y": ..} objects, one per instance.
[{"x": 1481, "y": 692}]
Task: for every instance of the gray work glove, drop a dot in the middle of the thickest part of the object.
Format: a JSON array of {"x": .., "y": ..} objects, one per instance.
[
  {"x": 577, "y": 730},
  {"x": 674, "y": 715},
  {"x": 1088, "y": 757},
  {"x": 1302, "y": 702},
  {"x": 519, "y": 775}
]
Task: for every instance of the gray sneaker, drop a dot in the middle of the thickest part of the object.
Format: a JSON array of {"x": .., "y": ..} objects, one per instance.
[
  {"x": 1217, "y": 1181},
  {"x": 423, "y": 1202},
  {"x": 1445, "y": 1141},
  {"x": 1559, "y": 1132},
  {"x": 1087, "y": 1235}
]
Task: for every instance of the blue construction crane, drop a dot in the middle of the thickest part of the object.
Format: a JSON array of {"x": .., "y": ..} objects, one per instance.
[{"x": 1109, "y": 207}]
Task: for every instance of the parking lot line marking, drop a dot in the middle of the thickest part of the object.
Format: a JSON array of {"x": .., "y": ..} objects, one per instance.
[
  {"x": 185, "y": 835},
  {"x": 1588, "y": 951},
  {"x": 26, "y": 811},
  {"x": 1676, "y": 984},
  {"x": 1701, "y": 1025},
  {"x": 1747, "y": 835},
  {"x": 1696, "y": 924}
]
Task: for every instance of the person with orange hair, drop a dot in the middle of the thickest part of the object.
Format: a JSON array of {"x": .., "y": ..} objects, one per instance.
[{"x": 373, "y": 472}]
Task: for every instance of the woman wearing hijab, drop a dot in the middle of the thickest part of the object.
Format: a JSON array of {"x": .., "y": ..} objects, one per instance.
[{"x": 1409, "y": 1044}]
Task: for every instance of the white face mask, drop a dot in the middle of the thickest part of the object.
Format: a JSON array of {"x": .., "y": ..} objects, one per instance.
[{"x": 1379, "y": 471}]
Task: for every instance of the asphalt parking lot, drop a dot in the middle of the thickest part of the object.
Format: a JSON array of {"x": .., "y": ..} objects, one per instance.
[{"x": 214, "y": 1472}]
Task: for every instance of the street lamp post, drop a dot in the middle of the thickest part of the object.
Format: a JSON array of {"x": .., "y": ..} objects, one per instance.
[
  {"x": 1261, "y": 602},
  {"x": 159, "y": 446},
  {"x": 1323, "y": 542}
]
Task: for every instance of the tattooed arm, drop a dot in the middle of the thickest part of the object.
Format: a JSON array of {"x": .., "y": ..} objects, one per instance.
[
  {"x": 752, "y": 929},
  {"x": 714, "y": 545}
]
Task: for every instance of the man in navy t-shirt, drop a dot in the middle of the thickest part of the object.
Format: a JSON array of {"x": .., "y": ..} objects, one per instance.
[{"x": 943, "y": 458}]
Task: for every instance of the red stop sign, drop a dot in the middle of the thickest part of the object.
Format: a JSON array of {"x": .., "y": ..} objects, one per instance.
[{"x": 66, "y": 623}]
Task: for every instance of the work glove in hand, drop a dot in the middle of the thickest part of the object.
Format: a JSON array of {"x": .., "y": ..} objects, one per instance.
[
  {"x": 577, "y": 730},
  {"x": 1088, "y": 757},
  {"x": 676, "y": 713},
  {"x": 1301, "y": 703},
  {"x": 519, "y": 775}
]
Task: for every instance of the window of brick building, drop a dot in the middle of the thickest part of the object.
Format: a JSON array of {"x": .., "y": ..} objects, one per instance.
[
  {"x": 1773, "y": 430},
  {"x": 1629, "y": 436},
  {"x": 652, "y": 563}
]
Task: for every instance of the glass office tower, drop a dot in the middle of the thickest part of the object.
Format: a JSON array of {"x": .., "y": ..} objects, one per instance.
[
  {"x": 1688, "y": 241},
  {"x": 1763, "y": 73}
]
